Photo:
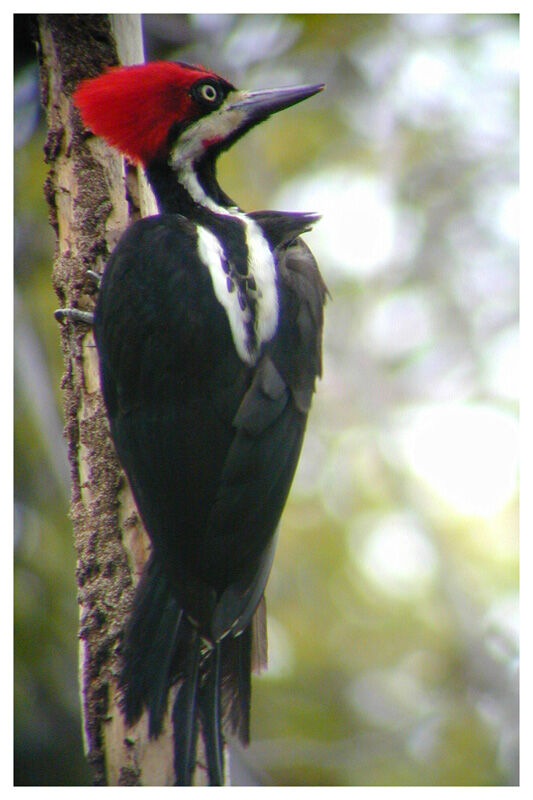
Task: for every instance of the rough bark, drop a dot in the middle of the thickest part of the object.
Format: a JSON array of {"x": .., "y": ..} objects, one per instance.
[{"x": 91, "y": 202}]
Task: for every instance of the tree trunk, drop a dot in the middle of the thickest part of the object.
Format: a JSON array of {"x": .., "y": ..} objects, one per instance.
[{"x": 91, "y": 201}]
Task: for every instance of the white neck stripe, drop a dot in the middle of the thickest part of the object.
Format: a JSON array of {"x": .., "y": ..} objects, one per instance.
[
  {"x": 264, "y": 296},
  {"x": 212, "y": 255},
  {"x": 260, "y": 267}
]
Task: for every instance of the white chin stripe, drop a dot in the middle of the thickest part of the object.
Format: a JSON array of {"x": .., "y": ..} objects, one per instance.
[
  {"x": 252, "y": 312},
  {"x": 214, "y": 127}
]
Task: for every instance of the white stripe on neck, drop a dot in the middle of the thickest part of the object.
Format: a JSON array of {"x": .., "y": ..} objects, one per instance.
[
  {"x": 212, "y": 255},
  {"x": 260, "y": 265}
]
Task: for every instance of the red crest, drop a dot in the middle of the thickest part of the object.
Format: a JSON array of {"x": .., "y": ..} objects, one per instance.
[{"x": 133, "y": 107}]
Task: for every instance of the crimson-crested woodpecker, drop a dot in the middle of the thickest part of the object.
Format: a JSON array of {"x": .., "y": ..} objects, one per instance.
[{"x": 208, "y": 325}]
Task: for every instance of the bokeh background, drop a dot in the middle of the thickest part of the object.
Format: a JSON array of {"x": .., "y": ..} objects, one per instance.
[{"x": 393, "y": 602}]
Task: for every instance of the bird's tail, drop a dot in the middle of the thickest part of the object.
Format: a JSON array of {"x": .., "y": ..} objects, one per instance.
[{"x": 162, "y": 648}]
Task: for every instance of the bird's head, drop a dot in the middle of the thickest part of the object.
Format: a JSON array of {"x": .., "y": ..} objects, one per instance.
[{"x": 167, "y": 110}]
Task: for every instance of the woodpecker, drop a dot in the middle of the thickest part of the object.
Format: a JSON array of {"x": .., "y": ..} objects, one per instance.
[{"x": 208, "y": 326}]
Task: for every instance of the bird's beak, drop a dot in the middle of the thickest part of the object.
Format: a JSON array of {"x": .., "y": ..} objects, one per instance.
[
  {"x": 216, "y": 132},
  {"x": 257, "y": 106}
]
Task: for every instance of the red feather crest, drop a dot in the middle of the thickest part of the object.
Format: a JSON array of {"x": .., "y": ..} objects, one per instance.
[{"x": 133, "y": 107}]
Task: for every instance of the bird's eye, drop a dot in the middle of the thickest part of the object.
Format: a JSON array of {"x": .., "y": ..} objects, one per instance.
[{"x": 208, "y": 92}]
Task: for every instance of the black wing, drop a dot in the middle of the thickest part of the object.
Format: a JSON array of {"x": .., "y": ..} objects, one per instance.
[{"x": 270, "y": 424}]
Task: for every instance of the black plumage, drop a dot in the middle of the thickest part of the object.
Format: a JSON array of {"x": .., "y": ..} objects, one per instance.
[{"x": 208, "y": 443}]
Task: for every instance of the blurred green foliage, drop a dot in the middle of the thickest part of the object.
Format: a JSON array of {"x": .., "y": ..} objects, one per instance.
[{"x": 393, "y": 599}]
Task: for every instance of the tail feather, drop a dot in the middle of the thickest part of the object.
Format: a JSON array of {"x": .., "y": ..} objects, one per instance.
[
  {"x": 158, "y": 692},
  {"x": 258, "y": 626},
  {"x": 161, "y": 648},
  {"x": 185, "y": 718},
  {"x": 236, "y": 682},
  {"x": 211, "y": 716},
  {"x": 146, "y": 654}
]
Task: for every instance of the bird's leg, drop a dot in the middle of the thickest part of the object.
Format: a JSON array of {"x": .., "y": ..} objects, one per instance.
[{"x": 75, "y": 314}]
